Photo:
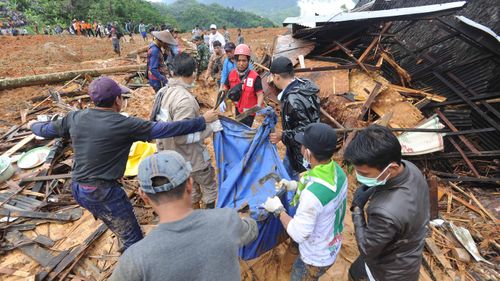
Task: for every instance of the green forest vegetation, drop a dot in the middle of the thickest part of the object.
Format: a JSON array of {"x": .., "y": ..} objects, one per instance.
[{"x": 181, "y": 14}]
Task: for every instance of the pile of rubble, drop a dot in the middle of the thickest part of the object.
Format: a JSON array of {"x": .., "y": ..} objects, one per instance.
[{"x": 438, "y": 91}]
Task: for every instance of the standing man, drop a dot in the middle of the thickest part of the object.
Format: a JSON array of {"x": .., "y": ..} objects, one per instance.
[
  {"x": 142, "y": 31},
  {"x": 116, "y": 35},
  {"x": 391, "y": 241},
  {"x": 299, "y": 108},
  {"x": 240, "y": 39},
  {"x": 156, "y": 68},
  {"x": 177, "y": 49},
  {"x": 229, "y": 62},
  {"x": 177, "y": 103},
  {"x": 243, "y": 85},
  {"x": 215, "y": 35},
  {"x": 215, "y": 63},
  {"x": 321, "y": 196},
  {"x": 202, "y": 56},
  {"x": 101, "y": 139},
  {"x": 227, "y": 37},
  {"x": 187, "y": 244}
]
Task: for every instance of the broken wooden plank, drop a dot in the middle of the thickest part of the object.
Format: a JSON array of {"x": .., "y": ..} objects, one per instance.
[
  {"x": 47, "y": 178},
  {"x": 14, "y": 272},
  {"x": 76, "y": 252},
  {"x": 19, "y": 145},
  {"x": 369, "y": 100},
  {"x": 433, "y": 97},
  {"x": 482, "y": 207},
  {"x": 433, "y": 197},
  {"x": 349, "y": 53},
  {"x": 33, "y": 250},
  {"x": 66, "y": 216},
  {"x": 436, "y": 252}
]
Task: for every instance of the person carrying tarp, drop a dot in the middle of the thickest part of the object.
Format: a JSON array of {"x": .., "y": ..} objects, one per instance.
[
  {"x": 321, "y": 195},
  {"x": 187, "y": 244},
  {"x": 174, "y": 103},
  {"x": 156, "y": 68},
  {"x": 299, "y": 107},
  {"x": 101, "y": 139},
  {"x": 243, "y": 85}
]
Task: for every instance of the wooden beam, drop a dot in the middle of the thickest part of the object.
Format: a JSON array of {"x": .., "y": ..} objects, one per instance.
[
  {"x": 19, "y": 145},
  {"x": 47, "y": 178}
]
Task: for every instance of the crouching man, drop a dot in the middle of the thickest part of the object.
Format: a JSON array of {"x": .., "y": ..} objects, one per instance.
[
  {"x": 321, "y": 195},
  {"x": 390, "y": 242},
  {"x": 187, "y": 244}
]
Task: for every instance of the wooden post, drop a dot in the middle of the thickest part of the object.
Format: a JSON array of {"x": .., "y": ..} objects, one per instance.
[{"x": 433, "y": 196}]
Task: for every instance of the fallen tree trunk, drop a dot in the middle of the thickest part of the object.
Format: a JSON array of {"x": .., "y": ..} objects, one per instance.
[
  {"x": 41, "y": 79},
  {"x": 138, "y": 51}
]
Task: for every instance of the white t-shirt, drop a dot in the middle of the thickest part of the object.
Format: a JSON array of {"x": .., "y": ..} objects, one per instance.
[
  {"x": 312, "y": 228},
  {"x": 215, "y": 37}
]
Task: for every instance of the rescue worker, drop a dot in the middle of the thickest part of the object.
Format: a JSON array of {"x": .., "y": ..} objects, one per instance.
[
  {"x": 202, "y": 56},
  {"x": 227, "y": 36},
  {"x": 391, "y": 241},
  {"x": 214, "y": 35},
  {"x": 229, "y": 62},
  {"x": 142, "y": 31},
  {"x": 321, "y": 196},
  {"x": 177, "y": 103},
  {"x": 214, "y": 67},
  {"x": 187, "y": 244},
  {"x": 299, "y": 108},
  {"x": 101, "y": 139},
  {"x": 240, "y": 39},
  {"x": 243, "y": 85},
  {"x": 116, "y": 35},
  {"x": 156, "y": 67}
]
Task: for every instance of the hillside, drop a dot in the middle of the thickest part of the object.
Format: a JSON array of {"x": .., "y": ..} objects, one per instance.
[
  {"x": 276, "y": 11},
  {"x": 189, "y": 13}
]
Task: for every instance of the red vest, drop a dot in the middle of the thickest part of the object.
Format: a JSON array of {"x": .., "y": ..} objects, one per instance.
[{"x": 248, "y": 97}]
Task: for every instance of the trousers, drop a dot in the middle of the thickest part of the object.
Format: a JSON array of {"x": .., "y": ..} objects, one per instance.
[{"x": 112, "y": 206}]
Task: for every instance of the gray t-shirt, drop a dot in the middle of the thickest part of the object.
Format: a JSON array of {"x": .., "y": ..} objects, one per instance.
[{"x": 202, "y": 246}]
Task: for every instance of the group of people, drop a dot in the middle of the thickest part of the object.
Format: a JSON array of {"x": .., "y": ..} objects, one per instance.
[{"x": 195, "y": 241}]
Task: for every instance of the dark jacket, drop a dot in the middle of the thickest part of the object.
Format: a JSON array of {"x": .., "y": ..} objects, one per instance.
[
  {"x": 392, "y": 240},
  {"x": 299, "y": 107}
]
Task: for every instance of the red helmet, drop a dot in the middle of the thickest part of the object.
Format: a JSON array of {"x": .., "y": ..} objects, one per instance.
[{"x": 242, "y": 49}]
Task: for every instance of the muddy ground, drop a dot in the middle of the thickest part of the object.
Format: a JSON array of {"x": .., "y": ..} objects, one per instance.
[{"x": 30, "y": 55}]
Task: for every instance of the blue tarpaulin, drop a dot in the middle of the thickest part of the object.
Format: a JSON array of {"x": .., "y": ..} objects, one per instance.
[{"x": 248, "y": 168}]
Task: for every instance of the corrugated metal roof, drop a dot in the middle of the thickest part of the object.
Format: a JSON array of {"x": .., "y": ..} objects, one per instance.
[{"x": 392, "y": 14}]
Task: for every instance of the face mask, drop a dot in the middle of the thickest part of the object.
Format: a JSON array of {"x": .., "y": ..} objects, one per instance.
[
  {"x": 306, "y": 164},
  {"x": 373, "y": 181}
]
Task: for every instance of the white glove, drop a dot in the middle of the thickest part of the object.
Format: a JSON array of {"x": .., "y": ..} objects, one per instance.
[
  {"x": 273, "y": 205},
  {"x": 216, "y": 126},
  {"x": 289, "y": 185},
  {"x": 222, "y": 107}
]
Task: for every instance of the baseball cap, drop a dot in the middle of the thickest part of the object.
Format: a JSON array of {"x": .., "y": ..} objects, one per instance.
[
  {"x": 319, "y": 138},
  {"x": 105, "y": 89},
  {"x": 229, "y": 46},
  {"x": 168, "y": 164},
  {"x": 196, "y": 38},
  {"x": 281, "y": 65},
  {"x": 213, "y": 26}
]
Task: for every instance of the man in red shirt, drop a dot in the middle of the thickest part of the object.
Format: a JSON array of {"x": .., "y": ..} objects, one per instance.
[{"x": 244, "y": 84}]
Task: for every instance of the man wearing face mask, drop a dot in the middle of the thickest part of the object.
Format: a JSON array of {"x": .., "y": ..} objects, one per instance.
[
  {"x": 321, "y": 195},
  {"x": 390, "y": 242},
  {"x": 299, "y": 107}
]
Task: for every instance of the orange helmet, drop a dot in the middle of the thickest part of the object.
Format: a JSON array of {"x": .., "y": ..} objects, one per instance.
[{"x": 242, "y": 49}]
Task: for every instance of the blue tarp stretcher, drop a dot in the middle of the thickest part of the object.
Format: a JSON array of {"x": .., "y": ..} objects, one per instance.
[{"x": 248, "y": 168}]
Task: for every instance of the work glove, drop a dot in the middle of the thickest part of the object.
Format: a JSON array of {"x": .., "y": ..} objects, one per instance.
[
  {"x": 222, "y": 107},
  {"x": 273, "y": 205},
  {"x": 361, "y": 196},
  {"x": 216, "y": 126},
  {"x": 289, "y": 185}
]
